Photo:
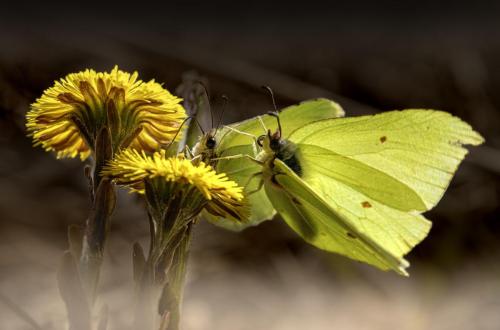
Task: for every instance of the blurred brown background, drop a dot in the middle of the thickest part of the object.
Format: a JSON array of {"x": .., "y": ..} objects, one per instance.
[{"x": 368, "y": 57}]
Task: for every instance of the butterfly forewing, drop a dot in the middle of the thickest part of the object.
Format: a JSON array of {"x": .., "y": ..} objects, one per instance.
[{"x": 420, "y": 148}]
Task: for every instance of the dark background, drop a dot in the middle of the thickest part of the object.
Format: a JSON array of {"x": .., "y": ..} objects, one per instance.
[{"x": 368, "y": 56}]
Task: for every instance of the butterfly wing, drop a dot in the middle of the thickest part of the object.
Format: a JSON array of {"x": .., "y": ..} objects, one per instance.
[
  {"x": 419, "y": 148},
  {"x": 320, "y": 224}
]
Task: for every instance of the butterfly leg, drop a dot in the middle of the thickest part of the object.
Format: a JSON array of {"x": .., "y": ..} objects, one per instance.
[
  {"x": 241, "y": 132},
  {"x": 187, "y": 152},
  {"x": 254, "y": 145},
  {"x": 262, "y": 124},
  {"x": 261, "y": 183},
  {"x": 255, "y": 160}
]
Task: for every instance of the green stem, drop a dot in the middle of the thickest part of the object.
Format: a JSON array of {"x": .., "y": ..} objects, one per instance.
[
  {"x": 160, "y": 288},
  {"x": 96, "y": 232},
  {"x": 171, "y": 299},
  {"x": 98, "y": 223}
]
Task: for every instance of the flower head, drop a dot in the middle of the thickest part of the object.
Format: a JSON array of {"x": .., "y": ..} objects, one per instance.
[
  {"x": 170, "y": 175},
  {"x": 69, "y": 115}
]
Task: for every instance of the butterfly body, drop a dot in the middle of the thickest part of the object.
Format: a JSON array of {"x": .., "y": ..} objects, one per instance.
[
  {"x": 205, "y": 149},
  {"x": 274, "y": 147}
]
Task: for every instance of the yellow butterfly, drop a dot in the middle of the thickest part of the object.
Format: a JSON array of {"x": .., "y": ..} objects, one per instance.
[{"x": 355, "y": 186}]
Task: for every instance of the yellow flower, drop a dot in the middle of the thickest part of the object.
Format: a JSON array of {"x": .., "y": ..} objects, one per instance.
[
  {"x": 68, "y": 116},
  {"x": 220, "y": 195}
]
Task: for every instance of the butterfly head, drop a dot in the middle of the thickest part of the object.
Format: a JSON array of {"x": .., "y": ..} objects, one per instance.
[
  {"x": 274, "y": 147},
  {"x": 275, "y": 142},
  {"x": 209, "y": 140},
  {"x": 205, "y": 148},
  {"x": 270, "y": 142}
]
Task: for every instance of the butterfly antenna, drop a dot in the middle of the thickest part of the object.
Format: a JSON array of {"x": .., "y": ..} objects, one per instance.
[
  {"x": 277, "y": 116},
  {"x": 271, "y": 93},
  {"x": 199, "y": 126},
  {"x": 226, "y": 100},
  {"x": 274, "y": 113},
  {"x": 205, "y": 89},
  {"x": 177, "y": 133}
]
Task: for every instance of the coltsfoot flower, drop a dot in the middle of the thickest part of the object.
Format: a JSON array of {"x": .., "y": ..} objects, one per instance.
[
  {"x": 68, "y": 116},
  {"x": 200, "y": 185}
]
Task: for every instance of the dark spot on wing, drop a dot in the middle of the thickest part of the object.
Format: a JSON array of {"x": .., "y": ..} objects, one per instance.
[
  {"x": 351, "y": 235},
  {"x": 383, "y": 139},
  {"x": 366, "y": 204}
]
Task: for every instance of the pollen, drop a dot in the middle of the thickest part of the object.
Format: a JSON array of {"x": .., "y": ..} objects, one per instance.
[{"x": 68, "y": 116}]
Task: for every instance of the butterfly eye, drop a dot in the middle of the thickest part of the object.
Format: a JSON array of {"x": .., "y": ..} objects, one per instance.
[
  {"x": 275, "y": 144},
  {"x": 210, "y": 144},
  {"x": 260, "y": 140}
]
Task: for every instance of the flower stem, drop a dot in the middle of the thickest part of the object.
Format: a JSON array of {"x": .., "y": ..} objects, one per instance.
[
  {"x": 98, "y": 223},
  {"x": 171, "y": 297},
  {"x": 160, "y": 288},
  {"x": 96, "y": 231}
]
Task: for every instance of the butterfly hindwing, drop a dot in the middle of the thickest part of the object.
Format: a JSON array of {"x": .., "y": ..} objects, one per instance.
[
  {"x": 314, "y": 219},
  {"x": 371, "y": 210},
  {"x": 320, "y": 164}
]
